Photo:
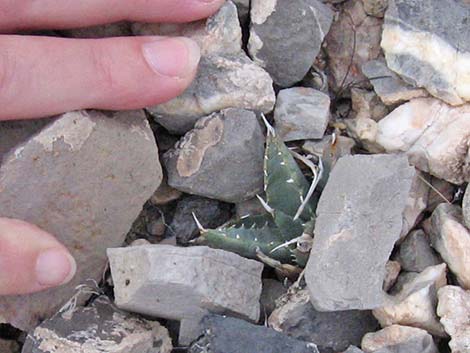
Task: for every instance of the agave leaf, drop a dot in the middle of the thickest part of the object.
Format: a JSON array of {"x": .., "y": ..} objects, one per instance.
[
  {"x": 288, "y": 228},
  {"x": 256, "y": 221}
]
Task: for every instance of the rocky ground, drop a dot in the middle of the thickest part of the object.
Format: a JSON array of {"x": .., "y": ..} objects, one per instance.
[{"x": 372, "y": 97}]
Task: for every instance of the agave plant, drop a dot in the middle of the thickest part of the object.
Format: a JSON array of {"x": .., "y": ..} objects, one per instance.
[{"x": 284, "y": 233}]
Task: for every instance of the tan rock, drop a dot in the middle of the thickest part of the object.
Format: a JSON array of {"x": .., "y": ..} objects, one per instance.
[{"x": 392, "y": 270}]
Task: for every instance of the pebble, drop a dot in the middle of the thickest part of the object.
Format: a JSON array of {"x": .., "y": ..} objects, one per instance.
[{"x": 415, "y": 253}]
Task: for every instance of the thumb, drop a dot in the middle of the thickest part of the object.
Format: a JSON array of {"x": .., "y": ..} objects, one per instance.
[{"x": 31, "y": 260}]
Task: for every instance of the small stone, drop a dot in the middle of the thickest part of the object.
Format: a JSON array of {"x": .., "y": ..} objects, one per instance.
[
  {"x": 353, "y": 349},
  {"x": 454, "y": 310},
  {"x": 364, "y": 131},
  {"x": 399, "y": 339},
  {"x": 391, "y": 89},
  {"x": 120, "y": 29},
  {"x": 367, "y": 105},
  {"x": 165, "y": 194},
  {"x": 301, "y": 113},
  {"x": 392, "y": 270},
  {"x": 272, "y": 291},
  {"x": 156, "y": 227},
  {"x": 88, "y": 188},
  {"x": 415, "y": 253},
  {"x": 222, "y": 158},
  {"x": 432, "y": 134},
  {"x": 375, "y": 8},
  {"x": 140, "y": 242},
  {"x": 285, "y": 40},
  {"x": 360, "y": 217},
  {"x": 466, "y": 207},
  {"x": 96, "y": 329},
  {"x": 331, "y": 331},
  {"x": 230, "y": 335},
  {"x": 7, "y": 346},
  {"x": 210, "y": 213},
  {"x": 415, "y": 30},
  {"x": 415, "y": 305},
  {"x": 222, "y": 81},
  {"x": 441, "y": 191},
  {"x": 451, "y": 240}
]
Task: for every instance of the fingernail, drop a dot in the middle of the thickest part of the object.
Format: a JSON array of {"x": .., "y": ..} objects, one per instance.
[
  {"x": 174, "y": 57},
  {"x": 54, "y": 267}
]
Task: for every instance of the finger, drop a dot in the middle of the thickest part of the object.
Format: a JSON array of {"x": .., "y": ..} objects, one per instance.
[
  {"x": 21, "y": 14},
  {"x": 43, "y": 76},
  {"x": 31, "y": 259}
]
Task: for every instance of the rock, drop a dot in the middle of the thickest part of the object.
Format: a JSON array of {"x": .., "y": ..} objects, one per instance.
[
  {"x": 96, "y": 329},
  {"x": 14, "y": 133},
  {"x": 415, "y": 253},
  {"x": 7, "y": 346},
  {"x": 225, "y": 81},
  {"x": 415, "y": 305},
  {"x": 391, "y": 89},
  {"x": 301, "y": 113},
  {"x": 165, "y": 194},
  {"x": 272, "y": 291},
  {"x": 392, "y": 270},
  {"x": 415, "y": 30},
  {"x": 454, "y": 310},
  {"x": 229, "y": 335},
  {"x": 219, "y": 34},
  {"x": 466, "y": 207},
  {"x": 243, "y": 7},
  {"x": 399, "y": 339},
  {"x": 285, "y": 40},
  {"x": 331, "y": 331},
  {"x": 367, "y": 105},
  {"x": 441, "y": 191},
  {"x": 222, "y": 158},
  {"x": 156, "y": 227},
  {"x": 452, "y": 241},
  {"x": 360, "y": 217},
  {"x": 88, "y": 188},
  {"x": 353, "y": 349},
  {"x": 120, "y": 29},
  {"x": 364, "y": 131},
  {"x": 375, "y": 8},
  {"x": 211, "y": 214},
  {"x": 185, "y": 283},
  {"x": 353, "y": 35},
  {"x": 417, "y": 203},
  {"x": 432, "y": 134}
]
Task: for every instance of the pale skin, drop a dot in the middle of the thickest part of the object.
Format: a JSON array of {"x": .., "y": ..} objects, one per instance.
[{"x": 44, "y": 76}]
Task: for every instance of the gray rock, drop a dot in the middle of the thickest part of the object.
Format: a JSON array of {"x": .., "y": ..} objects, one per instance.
[
  {"x": 390, "y": 88},
  {"x": 226, "y": 81},
  {"x": 301, "y": 113},
  {"x": 272, "y": 291},
  {"x": 330, "y": 331},
  {"x": 367, "y": 105},
  {"x": 415, "y": 252},
  {"x": 415, "y": 30},
  {"x": 360, "y": 217},
  {"x": 353, "y": 349},
  {"x": 229, "y": 335},
  {"x": 97, "y": 329},
  {"x": 222, "y": 158},
  {"x": 285, "y": 40},
  {"x": 375, "y": 8},
  {"x": 88, "y": 188},
  {"x": 8, "y": 346},
  {"x": 392, "y": 272},
  {"x": 165, "y": 194},
  {"x": 14, "y": 133},
  {"x": 210, "y": 213},
  {"x": 466, "y": 207}
]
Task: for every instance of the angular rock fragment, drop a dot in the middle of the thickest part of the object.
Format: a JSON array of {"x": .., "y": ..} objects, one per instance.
[
  {"x": 360, "y": 217},
  {"x": 229, "y": 335},
  {"x": 222, "y": 158},
  {"x": 223, "y": 81},
  {"x": 466, "y": 207},
  {"x": 414, "y": 31},
  {"x": 399, "y": 339},
  {"x": 390, "y": 88},
  {"x": 301, "y": 113},
  {"x": 415, "y": 305},
  {"x": 353, "y": 349},
  {"x": 392, "y": 271},
  {"x": 331, "y": 331},
  {"x": 441, "y": 191},
  {"x": 165, "y": 194},
  {"x": 97, "y": 329},
  {"x": 272, "y": 291},
  {"x": 88, "y": 188},
  {"x": 415, "y": 253},
  {"x": 7, "y": 346},
  {"x": 375, "y": 8},
  {"x": 364, "y": 131},
  {"x": 454, "y": 310},
  {"x": 433, "y": 134},
  {"x": 451, "y": 239},
  {"x": 285, "y": 40},
  {"x": 367, "y": 105}
]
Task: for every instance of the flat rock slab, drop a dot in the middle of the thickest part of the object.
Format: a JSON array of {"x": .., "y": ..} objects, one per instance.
[
  {"x": 84, "y": 178},
  {"x": 285, "y": 40},
  {"x": 221, "y": 158},
  {"x": 229, "y": 335},
  {"x": 360, "y": 217},
  {"x": 415, "y": 30},
  {"x": 99, "y": 328}
]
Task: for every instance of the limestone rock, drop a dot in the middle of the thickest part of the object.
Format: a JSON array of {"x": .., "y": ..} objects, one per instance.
[
  {"x": 331, "y": 331},
  {"x": 301, "y": 113},
  {"x": 88, "y": 188},
  {"x": 415, "y": 305},
  {"x": 454, "y": 310},
  {"x": 223, "y": 81},
  {"x": 415, "y": 30},
  {"x": 452, "y": 240},
  {"x": 415, "y": 253},
  {"x": 392, "y": 271},
  {"x": 222, "y": 158},
  {"x": 466, "y": 207},
  {"x": 364, "y": 130},
  {"x": 399, "y": 339},
  {"x": 285, "y": 40},
  {"x": 97, "y": 329},
  {"x": 360, "y": 217},
  {"x": 433, "y": 134},
  {"x": 375, "y": 8}
]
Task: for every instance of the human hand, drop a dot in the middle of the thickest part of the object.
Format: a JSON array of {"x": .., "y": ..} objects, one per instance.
[{"x": 44, "y": 76}]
